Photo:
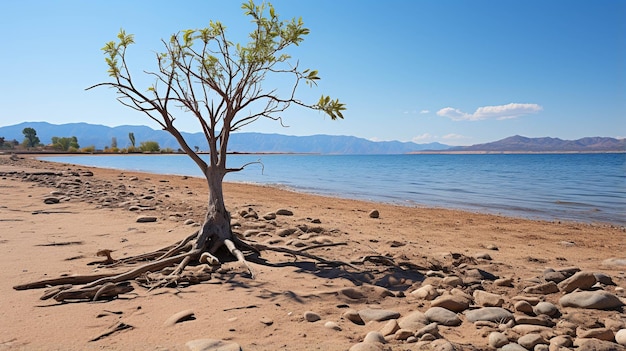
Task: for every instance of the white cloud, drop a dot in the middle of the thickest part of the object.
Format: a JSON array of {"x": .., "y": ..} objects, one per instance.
[
  {"x": 423, "y": 137},
  {"x": 453, "y": 136},
  {"x": 424, "y": 111},
  {"x": 500, "y": 112}
]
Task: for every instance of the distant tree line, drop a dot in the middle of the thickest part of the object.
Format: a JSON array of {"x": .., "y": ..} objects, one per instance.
[{"x": 70, "y": 144}]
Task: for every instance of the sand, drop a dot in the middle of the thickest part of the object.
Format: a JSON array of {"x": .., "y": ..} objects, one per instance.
[{"x": 40, "y": 241}]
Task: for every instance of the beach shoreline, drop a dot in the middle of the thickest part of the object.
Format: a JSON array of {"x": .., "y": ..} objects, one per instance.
[{"x": 42, "y": 240}]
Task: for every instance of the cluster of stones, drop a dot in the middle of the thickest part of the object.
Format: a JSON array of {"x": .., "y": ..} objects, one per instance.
[{"x": 523, "y": 322}]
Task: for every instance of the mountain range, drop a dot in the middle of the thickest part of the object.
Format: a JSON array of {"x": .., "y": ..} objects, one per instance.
[{"x": 101, "y": 136}]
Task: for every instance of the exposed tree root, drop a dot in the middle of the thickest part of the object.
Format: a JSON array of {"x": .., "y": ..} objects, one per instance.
[{"x": 165, "y": 267}]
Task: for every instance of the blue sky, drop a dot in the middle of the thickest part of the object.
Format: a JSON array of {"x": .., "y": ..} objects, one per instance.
[{"x": 456, "y": 72}]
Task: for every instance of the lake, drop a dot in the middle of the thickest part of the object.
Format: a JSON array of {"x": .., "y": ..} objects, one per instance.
[{"x": 579, "y": 187}]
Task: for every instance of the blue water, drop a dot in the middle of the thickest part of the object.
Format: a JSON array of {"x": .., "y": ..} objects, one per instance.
[{"x": 579, "y": 187}]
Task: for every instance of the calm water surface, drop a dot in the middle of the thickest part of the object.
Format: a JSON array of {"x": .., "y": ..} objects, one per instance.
[{"x": 580, "y": 187}]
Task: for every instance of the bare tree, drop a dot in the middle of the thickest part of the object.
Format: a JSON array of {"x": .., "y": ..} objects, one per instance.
[{"x": 219, "y": 84}]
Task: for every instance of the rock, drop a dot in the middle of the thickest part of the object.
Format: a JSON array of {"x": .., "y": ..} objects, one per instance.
[
  {"x": 370, "y": 314},
  {"x": 620, "y": 337},
  {"x": 442, "y": 345},
  {"x": 212, "y": 345},
  {"x": 483, "y": 256},
  {"x": 51, "y": 200},
  {"x": 513, "y": 347},
  {"x": 580, "y": 280},
  {"x": 554, "y": 276},
  {"x": 546, "y": 308},
  {"x": 543, "y": 289},
  {"x": 529, "y": 341},
  {"x": 491, "y": 314},
  {"x": 533, "y": 300},
  {"x": 523, "y": 329},
  {"x": 503, "y": 282},
  {"x": 604, "y": 279},
  {"x": 146, "y": 219},
  {"x": 311, "y": 316},
  {"x": 269, "y": 216},
  {"x": 267, "y": 321},
  {"x": 561, "y": 341},
  {"x": 402, "y": 334},
  {"x": 390, "y": 327},
  {"x": 332, "y": 325},
  {"x": 596, "y": 345},
  {"x": 353, "y": 316},
  {"x": 374, "y": 214},
  {"x": 538, "y": 320},
  {"x": 189, "y": 222},
  {"x": 596, "y": 333},
  {"x": 455, "y": 303},
  {"x": 599, "y": 300},
  {"x": 366, "y": 346},
  {"x": 179, "y": 317},
  {"x": 452, "y": 281},
  {"x": 523, "y": 306},
  {"x": 497, "y": 339},
  {"x": 431, "y": 329},
  {"x": 284, "y": 212},
  {"x": 614, "y": 262},
  {"x": 413, "y": 321},
  {"x": 426, "y": 292},
  {"x": 443, "y": 316},
  {"x": 486, "y": 299},
  {"x": 374, "y": 337}
]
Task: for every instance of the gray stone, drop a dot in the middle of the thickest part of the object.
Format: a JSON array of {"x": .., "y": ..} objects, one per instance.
[
  {"x": 491, "y": 314},
  {"x": 486, "y": 299},
  {"x": 179, "y": 317},
  {"x": 311, "y": 316},
  {"x": 596, "y": 345},
  {"x": 403, "y": 334},
  {"x": 212, "y": 345},
  {"x": 513, "y": 347},
  {"x": 51, "y": 200},
  {"x": 546, "y": 308},
  {"x": 431, "y": 329},
  {"x": 332, "y": 325},
  {"x": 561, "y": 341},
  {"x": 426, "y": 292},
  {"x": 614, "y": 262},
  {"x": 374, "y": 214},
  {"x": 503, "y": 282},
  {"x": 599, "y": 300},
  {"x": 443, "y": 316},
  {"x": 452, "y": 281},
  {"x": 553, "y": 276},
  {"x": 604, "y": 278},
  {"x": 366, "y": 346},
  {"x": 580, "y": 280},
  {"x": 370, "y": 314},
  {"x": 414, "y": 321},
  {"x": 455, "y": 303},
  {"x": 374, "y": 337},
  {"x": 284, "y": 212},
  {"x": 146, "y": 219},
  {"x": 497, "y": 339},
  {"x": 390, "y": 327},
  {"x": 530, "y": 340},
  {"x": 620, "y": 337},
  {"x": 523, "y": 306},
  {"x": 596, "y": 333},
  {"x": 543, "y": 289},
  {"x": 538, "y": 320},
  {"x": 353, "y": 316}
]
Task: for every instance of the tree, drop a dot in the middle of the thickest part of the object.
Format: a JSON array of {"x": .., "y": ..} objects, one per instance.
[
  {"x": 149, "y": 146},
  {"x": 131, "y": 137},
  {"x": 30, "y": 137},
  {"x": 204, "y": 76},
  {"x": 65, "y": 144}
]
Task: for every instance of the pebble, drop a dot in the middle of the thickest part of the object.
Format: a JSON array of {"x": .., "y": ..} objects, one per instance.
[
  {"x": 370, "y": 314},
  {"x": 486, "y": 299},
  {"x": 284, "y": 212},
  {"x": 146, "y": 219},
  {"x": 524, "y": 307},
  {"x": 455, "y": 303},
  {"x": 332, "y": 325},
  {"x": 497, "y": 339},
  {"x": 620, "y": 337},
  {"x": 529, "y": 341},
  {"x": 267, "y": 321},
  {"x": 491, "y": 314},
  {"x": 179, "y": 317},
  {"x": 366, "y": 346},
  {"x": 414, "y": 321},
  {"x": 51, "y": 200},
  {"x": 600, "y": 300},
  {"x": 374, "y": 337},
  {"x": 596, "y": 333},
  {"x": 212, "y": 345},
  {"x": 426, "y": 292},
  {"x": 513, "y": 347},
  {"x": 311, "y": 316},
  {"x": 374, "y": 214},
  {"x": 580, "y": 280},
  {"x": 542, "y": 289},
  {"x": 353, "y": 316},
  {"x": 390, "y": 327},
  {"x": 443, "y": 316},
  {"x": 546, "y": 308}
]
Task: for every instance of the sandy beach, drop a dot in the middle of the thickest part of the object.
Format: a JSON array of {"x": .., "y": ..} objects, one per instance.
[{"x": 54, "y": 218}]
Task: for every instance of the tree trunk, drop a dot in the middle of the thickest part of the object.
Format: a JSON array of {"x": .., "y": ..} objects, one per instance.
[{"x": 216, "y": 227}]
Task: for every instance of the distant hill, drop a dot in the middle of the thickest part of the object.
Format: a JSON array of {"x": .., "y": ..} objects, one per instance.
[
  {"x": 101, "y": 136},
  {"x": 519, "y": 143}
]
